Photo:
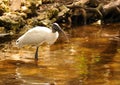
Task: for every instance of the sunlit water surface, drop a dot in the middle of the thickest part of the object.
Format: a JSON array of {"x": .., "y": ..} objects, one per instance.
[{"x": 92, "y": 57}]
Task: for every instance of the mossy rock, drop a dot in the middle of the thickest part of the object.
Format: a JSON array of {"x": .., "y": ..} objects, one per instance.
[{"x": 12, "y": 21}]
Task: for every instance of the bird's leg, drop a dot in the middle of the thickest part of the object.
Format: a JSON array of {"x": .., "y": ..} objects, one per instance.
[{"x": 36, "y": 54}]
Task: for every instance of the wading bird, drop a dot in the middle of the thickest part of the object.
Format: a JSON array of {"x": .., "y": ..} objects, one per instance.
[{"x": 39, "y": 35}]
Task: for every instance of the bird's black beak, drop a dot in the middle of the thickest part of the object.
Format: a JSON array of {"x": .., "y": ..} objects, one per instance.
[
  {"x": 56, "y": 27},
  {"x": 63, "y": 32}
]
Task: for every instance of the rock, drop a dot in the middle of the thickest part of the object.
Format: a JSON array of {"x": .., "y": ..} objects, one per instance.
[
  {"x": 12, "y": 21},
  {"x": 63, "y": 10},
  {"x": 15, "y": 5},
  {"x": 3, "y": 7},
  {"x": 52, "y": 13}
]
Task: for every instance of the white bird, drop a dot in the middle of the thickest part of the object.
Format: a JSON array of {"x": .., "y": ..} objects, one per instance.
[{"x": 39, "y": 35}]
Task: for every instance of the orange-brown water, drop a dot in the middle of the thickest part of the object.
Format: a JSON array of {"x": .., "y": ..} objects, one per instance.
[{"x": 91, "y": 58}]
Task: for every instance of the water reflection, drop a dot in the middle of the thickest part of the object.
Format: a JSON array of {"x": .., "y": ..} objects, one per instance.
[{"x": 91, "y": 58}]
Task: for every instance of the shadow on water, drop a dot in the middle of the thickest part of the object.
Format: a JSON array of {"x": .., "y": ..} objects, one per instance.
[
  {"x": 91, "y": 58},
  {"x": 108, "y": 54}
]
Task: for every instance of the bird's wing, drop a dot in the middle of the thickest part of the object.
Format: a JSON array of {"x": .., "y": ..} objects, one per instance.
[{"x": 36, "y": 35}]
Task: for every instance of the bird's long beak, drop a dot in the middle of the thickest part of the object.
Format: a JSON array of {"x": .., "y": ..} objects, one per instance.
[
  {"x": 56, "y": 27},
  {"x": 62, "y": 31}
]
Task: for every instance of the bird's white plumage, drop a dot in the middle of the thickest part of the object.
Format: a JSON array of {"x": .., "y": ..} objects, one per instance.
[{"x": 37, "y": 36}]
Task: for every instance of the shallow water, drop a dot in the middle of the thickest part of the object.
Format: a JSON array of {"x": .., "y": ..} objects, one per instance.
[{"x": 92, "y": 57}]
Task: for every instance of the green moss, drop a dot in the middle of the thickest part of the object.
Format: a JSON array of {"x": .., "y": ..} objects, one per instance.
[
  {"x": 3, "y": 7},
  {"x": 52, "y": 13},
  {"x": 12, "y": 21}
]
